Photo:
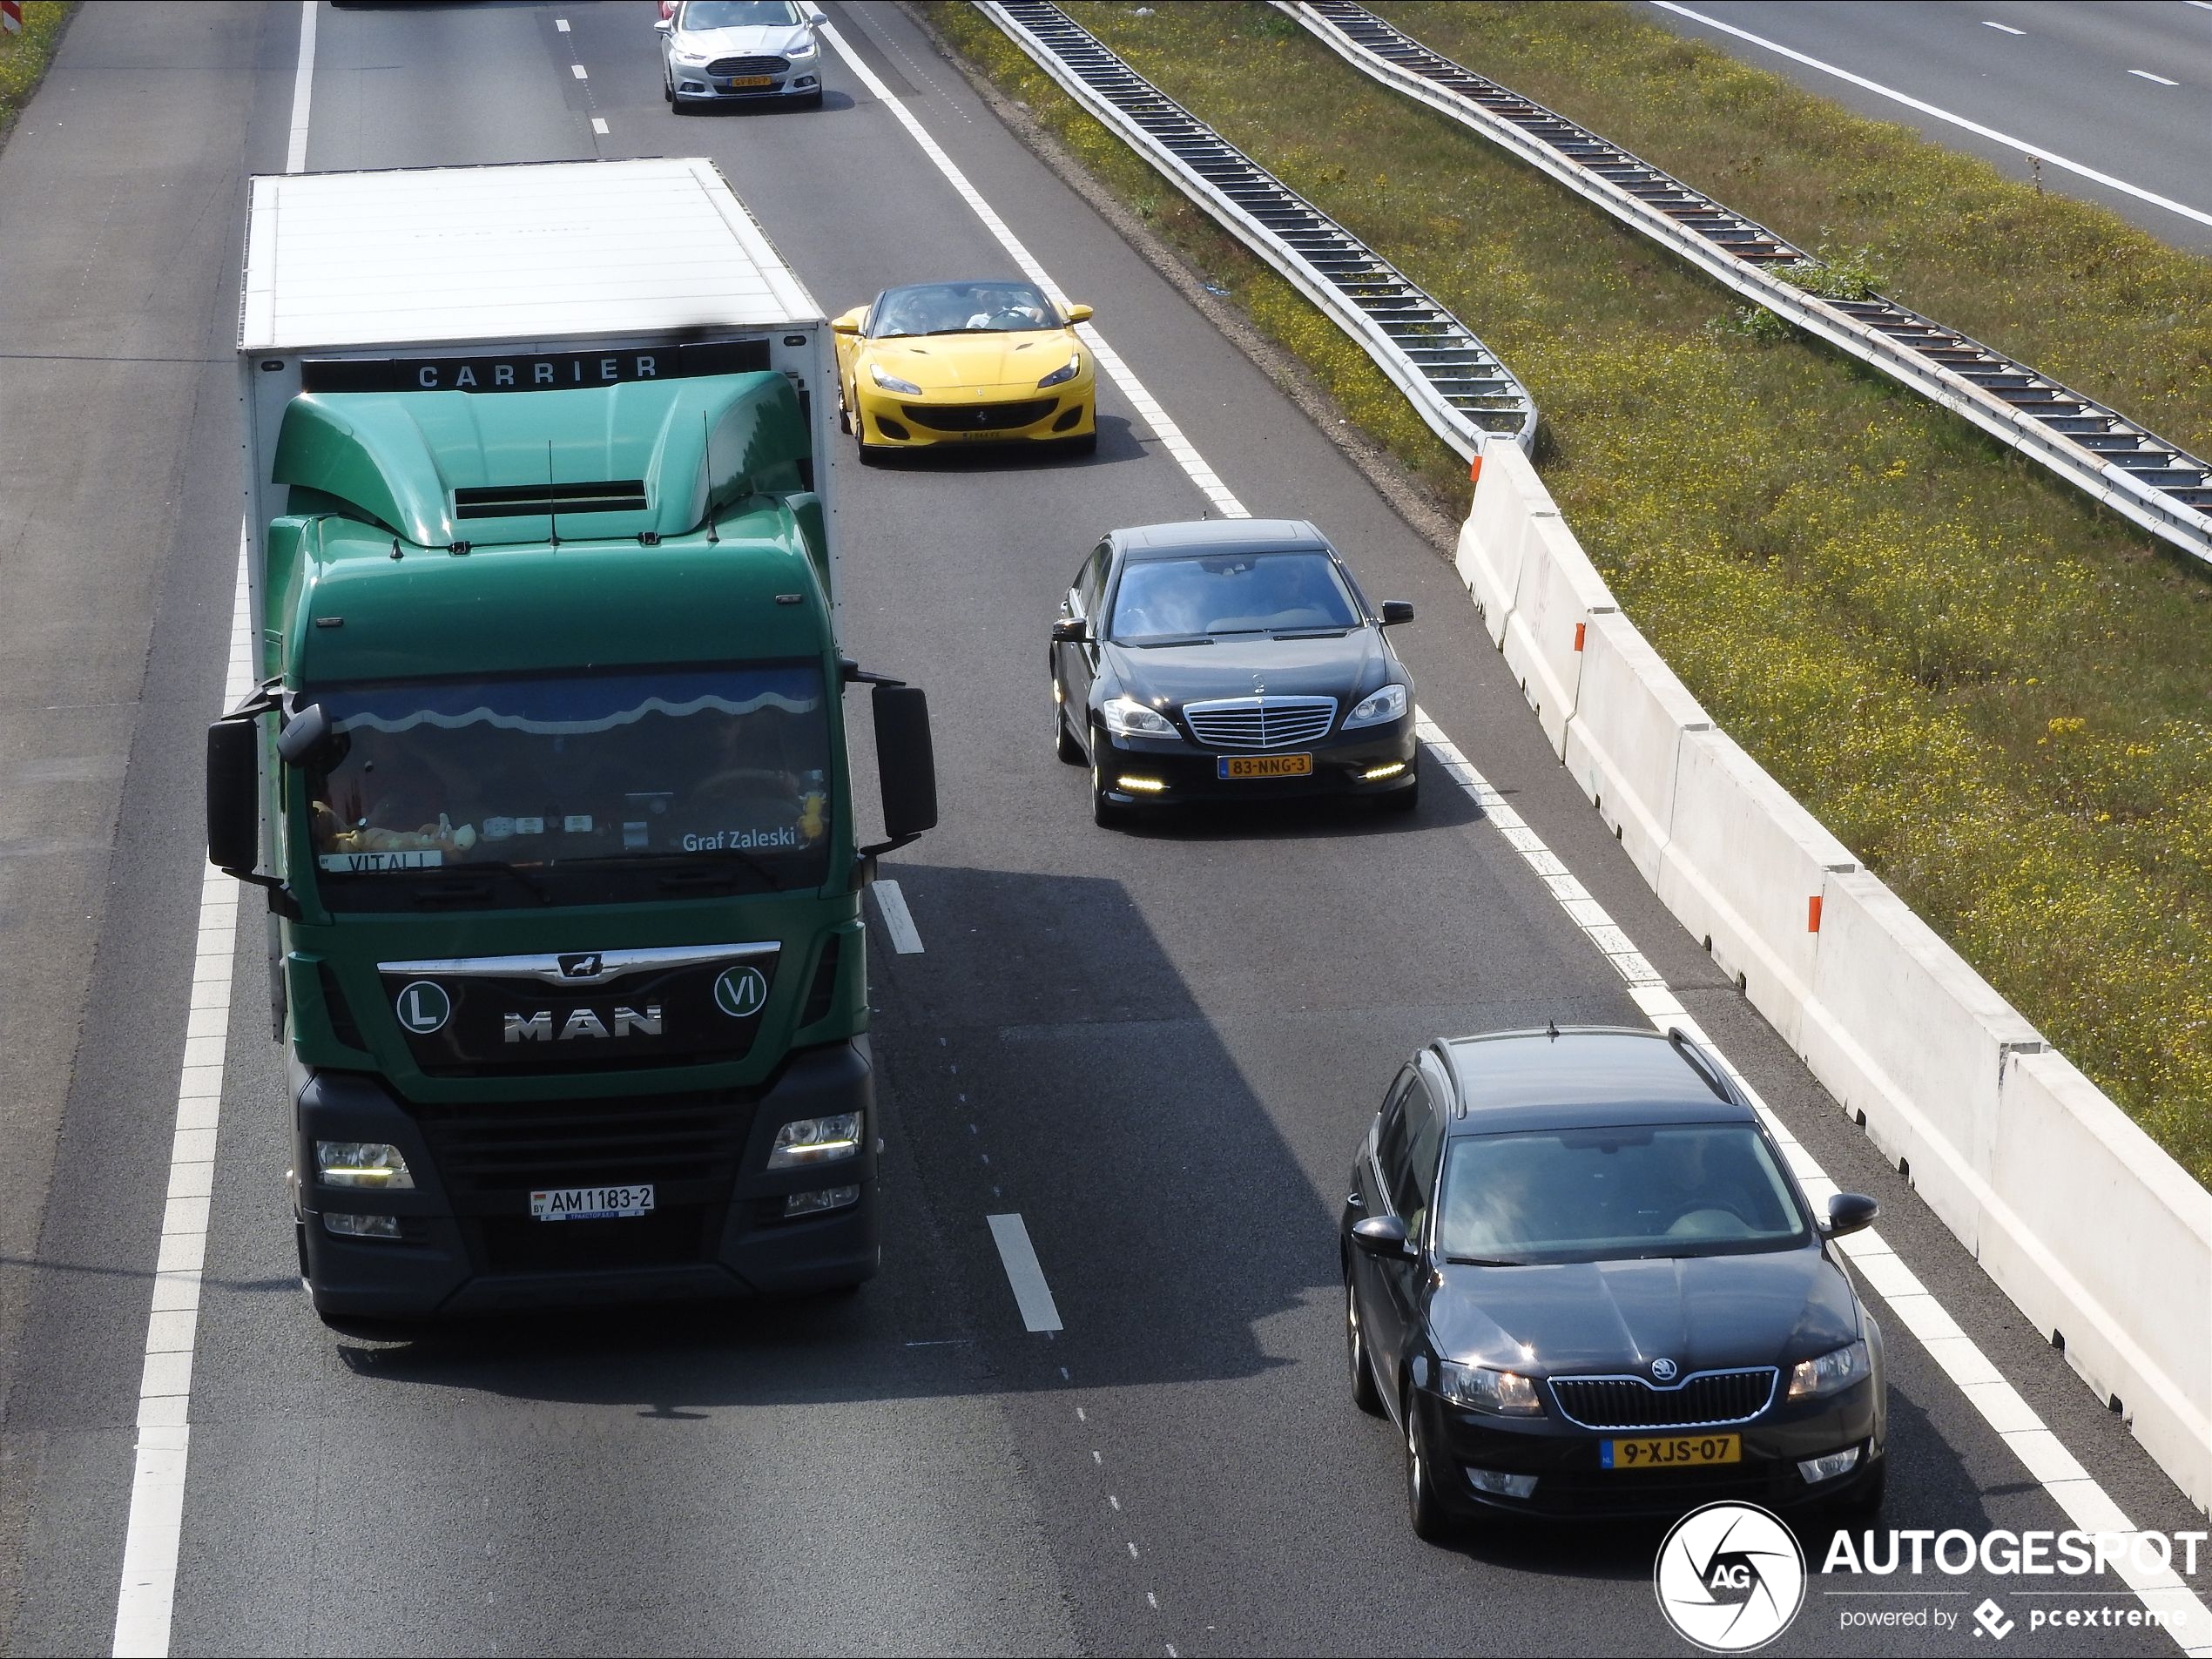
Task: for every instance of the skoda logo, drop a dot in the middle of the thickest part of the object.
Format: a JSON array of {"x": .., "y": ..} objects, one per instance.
[
  {"x": 423, "y": 1007},
  {"x": 741, "y": 992},
  {"x": 584, "y": 967},
  {"x": 1730, "y": 1577},
  {"x": 1664, "y": 1370}
]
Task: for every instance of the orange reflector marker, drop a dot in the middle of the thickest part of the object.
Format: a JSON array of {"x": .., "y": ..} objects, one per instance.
[
  {"x": 1474, "y": 470},
  {"x": 1812, "y": 914},
  {"x": 1579, "y": 628}
]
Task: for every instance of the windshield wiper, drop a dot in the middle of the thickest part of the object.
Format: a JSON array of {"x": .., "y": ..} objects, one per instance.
[
  {"x": 1166, "y": 640},
  {"x": 1313, "y": 633},
  {"x": 717, "y": 871},
  {"x": 1486, "y": 1261},
  {"x": 466, "y": 892}
]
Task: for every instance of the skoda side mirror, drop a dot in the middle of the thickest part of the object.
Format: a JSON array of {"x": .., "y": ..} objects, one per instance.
[
  {"x": 906, "y": 763},
  {"x": 1383, "y": 1237},
  {"x": 1850, "y": 1212},
  {"x": 234, "y": 795},
  {"x": 1397, "y": 611},
  {"x": 1070, "y": 631}
]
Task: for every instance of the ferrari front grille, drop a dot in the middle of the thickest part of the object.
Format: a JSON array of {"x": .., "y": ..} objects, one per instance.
[{"x": 979, "y": 417}]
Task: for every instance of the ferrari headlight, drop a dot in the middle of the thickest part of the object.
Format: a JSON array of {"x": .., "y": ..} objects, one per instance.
[
  {"x": 1065, "y": 372},
  {"x": 1506, "y": 1394},
  {"x": 1126, "y": 718},
  {"x": 1388, "y": 704},
  {"x": 893, "y": 383},
  {"x": 1809, "y": 1378}
]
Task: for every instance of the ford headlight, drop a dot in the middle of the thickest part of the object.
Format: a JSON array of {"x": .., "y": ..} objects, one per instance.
[
  {"x": 816, "y": 1140},
  {"x": 1126, "y": 718},
  {"x": 1810, "y": 1378},
  {"x": 1506, "y": 1393},
  {"x": 1384, "y": 706},
  {"x": 1065, "y": 372},
  {"x": 805, "y": 49},
  {"x": 362, "y": 1164},
  {"x": 689, "y": 60},
  {"x": 893, "y": 383}
]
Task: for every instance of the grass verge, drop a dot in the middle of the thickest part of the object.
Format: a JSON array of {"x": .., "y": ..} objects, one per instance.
[
  {"x": 1993, "y": 691},
  {"x": 23, "y": 57}
]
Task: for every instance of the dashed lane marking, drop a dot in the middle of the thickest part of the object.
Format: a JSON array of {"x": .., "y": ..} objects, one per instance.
[
  {"x": 2048, "y": 1462},
  {"x": 1147, "y": 408},
  {"x": 897, "y": 921},
  {"x": 599, "y": 124},
  {"x": 579, "y": 72},
  {"x": 1023, "y": 1272}
]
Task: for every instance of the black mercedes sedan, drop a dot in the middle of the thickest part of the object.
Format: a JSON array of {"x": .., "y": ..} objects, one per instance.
[
  {"x": 1229, "y": 660},
  {"x": 1581, "y": 1280}
]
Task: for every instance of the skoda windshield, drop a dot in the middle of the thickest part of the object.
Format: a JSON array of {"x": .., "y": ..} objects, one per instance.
[{"x": 585, "y": 789}]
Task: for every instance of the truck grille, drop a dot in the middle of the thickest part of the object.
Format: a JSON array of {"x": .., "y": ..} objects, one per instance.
[
  {"x": 493, "y": 1155},
  {"x": 1709, "y": 1398},
  {"x": 1261, "y": 722},
  {"x": 748, "y": 66},
  {"x": 979, "y": 417},
  {"x": 511, "y": 500}
]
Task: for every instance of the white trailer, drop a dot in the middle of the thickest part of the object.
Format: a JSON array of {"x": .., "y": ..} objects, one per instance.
[{"x": 499, "y": 279}]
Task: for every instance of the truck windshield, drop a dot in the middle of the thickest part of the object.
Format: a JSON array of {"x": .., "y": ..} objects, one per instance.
[{"x": 585, "y": 789}]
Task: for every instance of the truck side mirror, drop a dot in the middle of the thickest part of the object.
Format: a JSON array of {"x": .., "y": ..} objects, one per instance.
[
  {"x": 906, "y": 763},
  {"x": 234, "y": 795}
]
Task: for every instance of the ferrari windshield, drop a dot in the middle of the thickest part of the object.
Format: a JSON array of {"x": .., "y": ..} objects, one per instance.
[
  {"x": 721, "y": 768},
  {"x": 1609, "y": 1194},
  {"x": 963, "y": 308},
  {"x": 702, "y": 15},
  {"x": 1229, "y": 593}
]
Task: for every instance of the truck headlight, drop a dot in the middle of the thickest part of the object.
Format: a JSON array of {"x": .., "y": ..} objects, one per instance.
[
  {"x": 1506, "y": 1394},
  {"x": 816, "y": 1140},
  {"x": 1065, "y": 372},
  {"x": 1810, "y": 1378},
  {"x": 362, "y": 1164},
  {"x": 1126, "y": 718},
  {"x": 1388, "y": 704},
  {"x": 893, "y": 383}
]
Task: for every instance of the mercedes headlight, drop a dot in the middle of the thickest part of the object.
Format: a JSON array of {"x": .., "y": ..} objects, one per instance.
[
  {"x": 1506, "y": 1393},
  {"x": 893, "y": 383},
  {"x": 1384, "y": 706},
  {"x": 1126, "y": 718},
  {"x": 1065, "y": 372},
  {"x": 1810, "y": 1378}
]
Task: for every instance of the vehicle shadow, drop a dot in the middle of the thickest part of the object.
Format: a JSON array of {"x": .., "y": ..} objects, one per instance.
[
  {"x": 1117, "y": 441},
  {"x": 1443, "y": 806},
  {"x": 832, "y": 99}
]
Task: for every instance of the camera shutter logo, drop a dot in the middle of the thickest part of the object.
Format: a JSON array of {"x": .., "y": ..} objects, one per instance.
[
  {"x": 423, "y": 1007},
  {"x": 741, "y": 992},
  {"x": 1730, "y": 1577}
]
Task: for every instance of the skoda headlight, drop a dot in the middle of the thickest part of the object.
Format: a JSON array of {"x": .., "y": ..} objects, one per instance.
[
  {"x": 1810, "y": 1378},
  {"x": 1065, "y": 372},
  {"x": 893, "y": 383},
  {"x": 816, "y": 1140},
  {"x": 1506, "y": 1394},
  {"x": 1384, "y": 706},
  {"x": 362, "y": 1164},
  {"x": 1126, "y": 718}
]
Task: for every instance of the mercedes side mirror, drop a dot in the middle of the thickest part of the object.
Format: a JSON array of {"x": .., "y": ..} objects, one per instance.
[
  {"x": 234, "y": 795},
  {"x": 1070, "y": 631},
  {"x": 1383, "y": 1237},
  {"x": 905, "y": 764},
  {"x": 1850, "y": 1212},
  {"x": 1397, "y": 611}
]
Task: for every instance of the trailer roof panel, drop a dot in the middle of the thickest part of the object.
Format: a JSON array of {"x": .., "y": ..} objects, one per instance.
[{"x": 449, "y": 255}]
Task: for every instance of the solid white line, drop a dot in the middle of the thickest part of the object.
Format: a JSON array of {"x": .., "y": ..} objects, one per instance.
[
  {"x": 2070, "y": 1486},
  {"x": 303, "y": 86},
  {"x": 897, "y": 921},
  {"x": 147, "y": 1595},
  {"x": 1180, "y": 448},
  {"x": 1960, "y": 121},
  {"x": 599, "y": 124},
  {"x": 2007, "y": 27},
  {"x": 1031, "y": 1294},
  {"x": 2148, "y": 76}
]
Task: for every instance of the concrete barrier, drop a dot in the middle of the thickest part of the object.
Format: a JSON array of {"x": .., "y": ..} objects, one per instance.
[{"x": 2102, "y": 1239}]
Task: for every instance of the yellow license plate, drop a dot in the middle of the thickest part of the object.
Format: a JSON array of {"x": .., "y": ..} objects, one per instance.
[
  {"x": 1676, "y": 1451},
  {"x": 751, "y": 80},
  {"x": 1265, "y": 767}
]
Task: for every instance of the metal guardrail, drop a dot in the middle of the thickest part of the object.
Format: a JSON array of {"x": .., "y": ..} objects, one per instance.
[
  {"x": 2138, "y": 475},
  {"x": 1454, "y": 381}
]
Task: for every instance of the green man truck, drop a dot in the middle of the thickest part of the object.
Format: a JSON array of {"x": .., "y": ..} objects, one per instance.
[{"x": 547, "y": 777}]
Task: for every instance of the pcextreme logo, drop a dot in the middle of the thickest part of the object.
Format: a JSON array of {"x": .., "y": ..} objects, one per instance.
[{"x": 1730, "y": 1577}]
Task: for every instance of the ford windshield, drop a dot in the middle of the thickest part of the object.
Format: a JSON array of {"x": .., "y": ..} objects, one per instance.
[{"x": 579, "y": 790}]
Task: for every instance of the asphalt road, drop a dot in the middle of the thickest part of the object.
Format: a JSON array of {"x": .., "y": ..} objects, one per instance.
[
  {"x": 2123, "y": 87},
  {"x": 1156, "y": 1047}
]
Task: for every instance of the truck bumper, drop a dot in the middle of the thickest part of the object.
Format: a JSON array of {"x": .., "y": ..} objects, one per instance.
[{"x": 468, "y": 1244}]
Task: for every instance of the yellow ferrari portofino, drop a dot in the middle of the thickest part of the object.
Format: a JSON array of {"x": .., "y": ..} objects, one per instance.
[{"x": 965, "y": 362}]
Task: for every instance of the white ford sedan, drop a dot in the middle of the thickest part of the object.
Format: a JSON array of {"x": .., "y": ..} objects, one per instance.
[{"x": 719, "y": 51}]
